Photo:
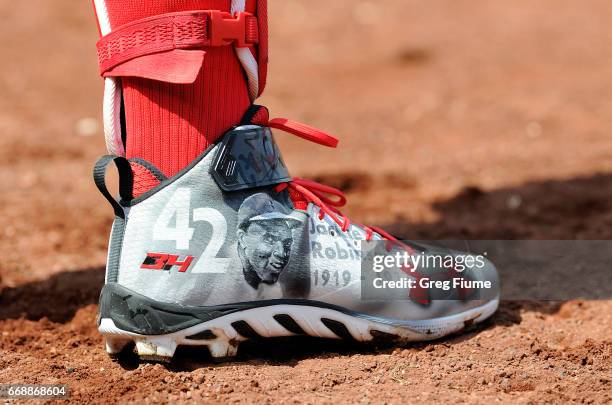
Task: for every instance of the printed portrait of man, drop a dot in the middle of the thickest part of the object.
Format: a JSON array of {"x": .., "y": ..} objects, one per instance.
[{"x": 264, "y": 238}]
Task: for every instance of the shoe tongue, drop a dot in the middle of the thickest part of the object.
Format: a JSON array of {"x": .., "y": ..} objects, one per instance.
[{"x": 146, "y": 176}]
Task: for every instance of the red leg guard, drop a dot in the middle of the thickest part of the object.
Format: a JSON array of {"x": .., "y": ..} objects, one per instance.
[{"x": 170, "y": 124}]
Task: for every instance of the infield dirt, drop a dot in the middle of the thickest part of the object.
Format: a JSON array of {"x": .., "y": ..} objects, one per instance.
[{"x": 457, "y": 119}]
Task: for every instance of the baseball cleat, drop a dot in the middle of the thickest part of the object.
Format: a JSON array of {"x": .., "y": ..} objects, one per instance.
[
  {"x": 232, "y": 248},
  {"x": 213, "y": 242}
]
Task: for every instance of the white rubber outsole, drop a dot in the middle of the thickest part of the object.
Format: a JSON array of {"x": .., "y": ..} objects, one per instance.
[{"x": 222, "y": 338}]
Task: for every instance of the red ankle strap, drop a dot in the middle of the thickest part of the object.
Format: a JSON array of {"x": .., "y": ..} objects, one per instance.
[{"x": 182, "y": 30}]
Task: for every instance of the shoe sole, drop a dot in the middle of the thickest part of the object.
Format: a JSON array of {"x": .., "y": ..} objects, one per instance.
[{"x": 224, "y": 334}]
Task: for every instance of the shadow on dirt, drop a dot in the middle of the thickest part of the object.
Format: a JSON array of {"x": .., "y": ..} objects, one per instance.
[
  {"x": 57, "y": 298},
  {"x": 579, "y": 208}
]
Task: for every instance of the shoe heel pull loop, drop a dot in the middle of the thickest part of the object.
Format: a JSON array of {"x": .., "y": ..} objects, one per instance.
[{"x": 126, "y": 181}]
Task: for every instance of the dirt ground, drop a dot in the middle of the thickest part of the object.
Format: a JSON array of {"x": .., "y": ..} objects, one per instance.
[{"x": 457, "y": 119}]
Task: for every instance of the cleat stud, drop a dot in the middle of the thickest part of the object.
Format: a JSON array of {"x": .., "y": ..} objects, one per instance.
[
  {"x": 166, "y": 348},
  {"x": 115, "y": 346},
  {"x": 151, "y": 350},
  {"x": 145, "y": 348},
  {"x": 221, "y": 350}
]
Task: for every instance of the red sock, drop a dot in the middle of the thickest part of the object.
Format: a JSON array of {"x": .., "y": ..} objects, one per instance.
[{"x": 170, "y": 124}]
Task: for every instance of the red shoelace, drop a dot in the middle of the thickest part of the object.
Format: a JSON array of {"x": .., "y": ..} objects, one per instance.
[
  {"x": 327, "y": 198},
  {"x": 330, "y": 199}
]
